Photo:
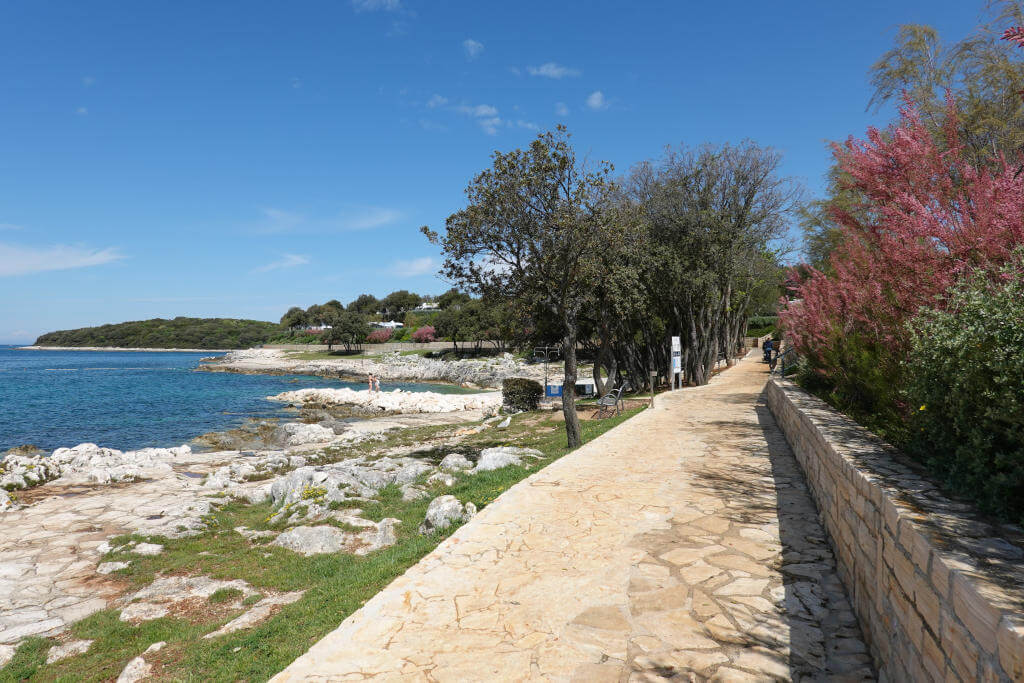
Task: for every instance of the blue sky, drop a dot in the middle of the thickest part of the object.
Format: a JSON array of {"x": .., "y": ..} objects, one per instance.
[{"x": 236, "y": 158}]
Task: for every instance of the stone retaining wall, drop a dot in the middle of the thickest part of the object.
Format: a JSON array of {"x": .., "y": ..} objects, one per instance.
[{"x": 938, "y": 590}]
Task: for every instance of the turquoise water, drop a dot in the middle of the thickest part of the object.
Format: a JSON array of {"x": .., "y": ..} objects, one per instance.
[{"x": 130, "y": 400}]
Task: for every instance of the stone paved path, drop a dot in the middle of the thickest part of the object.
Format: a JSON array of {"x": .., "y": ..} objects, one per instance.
[{"x": 682, "y": 545}]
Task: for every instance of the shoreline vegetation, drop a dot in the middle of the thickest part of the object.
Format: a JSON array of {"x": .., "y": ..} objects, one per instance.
[
  {"x": 159, "y": 333},
  {"x": 238, "y": 560},
  {"x": 36, "y": 347}
]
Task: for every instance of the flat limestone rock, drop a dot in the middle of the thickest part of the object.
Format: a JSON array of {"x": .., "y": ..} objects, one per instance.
[
  {"x": 35, "y": 628},
  {"x": 503, "y": 456},
  {"x": 70, "y": 649},
  {"x": 143, "y": 611},
  {"x": 455, "y": 462},
  {"x": 259, "y": 613},
  {"x": 136, "y": 670},
  {"x": 312, "y": 540},
  {"x": 108, "y": 567},
  {"x": 148, "y": 549},
  {"x": 6, "y": 654},
  {"x": 444, "y": 511}
]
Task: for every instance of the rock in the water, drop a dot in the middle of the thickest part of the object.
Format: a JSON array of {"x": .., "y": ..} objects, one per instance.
[
  {"x": 444, "y": 511},
  {"x": 503, "y": 456},
  {"x": 312, "y": 540},
  {"x": 455, "y": 462},
  {"x": 69, "y": 649},
  {"x": 108, "y": 567}
]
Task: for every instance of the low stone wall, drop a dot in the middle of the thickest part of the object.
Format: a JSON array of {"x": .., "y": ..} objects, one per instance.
[{"x": 938, "y": 590}]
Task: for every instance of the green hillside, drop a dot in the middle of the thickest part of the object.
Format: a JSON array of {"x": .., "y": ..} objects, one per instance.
[{"x": 179, "y": 333}]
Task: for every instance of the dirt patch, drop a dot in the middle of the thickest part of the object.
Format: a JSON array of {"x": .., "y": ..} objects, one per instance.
[{"x": 201, "y": 611}]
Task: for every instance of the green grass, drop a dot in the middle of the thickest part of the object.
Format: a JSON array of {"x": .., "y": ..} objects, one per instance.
[
  {"x": 336, "y": 585},
  {"x": 225, "y": 595}
]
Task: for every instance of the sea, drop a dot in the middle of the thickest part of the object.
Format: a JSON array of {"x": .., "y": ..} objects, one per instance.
[{"x": 134, "y": 399}]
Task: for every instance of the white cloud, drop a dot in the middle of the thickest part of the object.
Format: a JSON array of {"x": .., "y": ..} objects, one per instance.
[
  {"x": 375, "y": 5},
  {"x": 370, "y": 217},
  {"x": 436, "y": 101},
  {"x": 528, "y": 125},
  {"x": 490, "y": 125},
  {"x": 561, "y": 108},
  {"x": 352, "y": 218},
  {"x": 286, "y": 261},
  {"x": 552, "y": 70},
  {"x": 82, "y": 111},
  {"x": 88, "y": 81},
  {"x": 597, "y": 101},
  {"x": 472, "y": 47},
  {"x": 21, "y": 260},
  {"x": 10, "y": 226},
  {"x": 479, "y": 110},
  {"x": 413, "y": 267},
  {"x": 296, "y": 82},
  {"x": 280, "y": 220}
]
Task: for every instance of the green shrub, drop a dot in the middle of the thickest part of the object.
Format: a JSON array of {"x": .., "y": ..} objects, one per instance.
[
  {"x": 859, "y": 378},
  {"x": 519, "y": 393},
  {"x": 965, "y": 389}
]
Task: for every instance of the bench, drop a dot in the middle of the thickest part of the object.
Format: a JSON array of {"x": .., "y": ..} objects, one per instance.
[{"x": 610, "y": 403}]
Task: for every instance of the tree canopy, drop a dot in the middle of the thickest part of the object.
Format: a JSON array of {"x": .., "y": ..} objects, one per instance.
[{"x": 177, "y": 333}]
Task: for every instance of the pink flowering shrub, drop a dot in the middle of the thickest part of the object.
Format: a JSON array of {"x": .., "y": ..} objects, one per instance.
[
  {"x": 425, "y": 334},
  {"x": 379, "y": 336},
  {"x": 925, "y": 219}
]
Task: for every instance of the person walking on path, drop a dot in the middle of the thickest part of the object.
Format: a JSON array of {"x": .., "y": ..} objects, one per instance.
[
  {"x": 369, "y": 382},
  {"x": 376, "y": 384}
]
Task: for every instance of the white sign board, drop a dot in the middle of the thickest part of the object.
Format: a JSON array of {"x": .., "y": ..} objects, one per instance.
[{"x": 677, "y": 360}]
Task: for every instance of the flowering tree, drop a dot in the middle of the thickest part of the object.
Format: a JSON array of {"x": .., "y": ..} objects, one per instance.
[
  {"x": 379, "y": 336},
  {"x": 424, "y": 334},
  {"x": 925, "y": 216}
]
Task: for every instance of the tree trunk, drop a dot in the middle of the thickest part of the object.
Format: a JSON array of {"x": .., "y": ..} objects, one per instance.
[{"x": 572, "y": 421}]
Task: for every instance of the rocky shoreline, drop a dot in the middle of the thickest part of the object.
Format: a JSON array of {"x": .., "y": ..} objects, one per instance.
[
  {"x": 57, "y": 565},
  {"x": 115, "y": 348},
  {"x": 484, "y": 373}
]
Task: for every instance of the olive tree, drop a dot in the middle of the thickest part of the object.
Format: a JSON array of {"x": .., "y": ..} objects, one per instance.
[{"x": 531, "y": 232}]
